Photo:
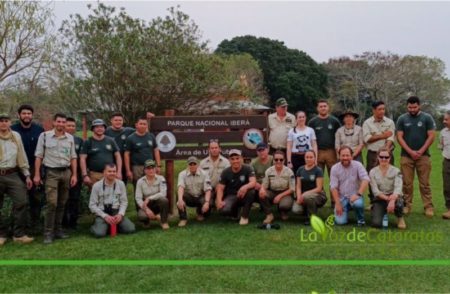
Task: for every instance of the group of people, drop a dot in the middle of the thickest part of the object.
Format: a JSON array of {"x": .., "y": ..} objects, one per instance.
[{"x": 288, "y": 171}]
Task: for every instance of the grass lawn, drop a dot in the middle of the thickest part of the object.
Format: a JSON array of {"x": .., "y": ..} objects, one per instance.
[{"x": 221, "y": 239}]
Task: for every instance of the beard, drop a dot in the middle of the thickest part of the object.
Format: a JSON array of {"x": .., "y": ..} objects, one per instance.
[{"x": 25, "y": 122}]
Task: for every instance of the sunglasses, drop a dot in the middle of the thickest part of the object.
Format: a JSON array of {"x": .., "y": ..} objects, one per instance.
[
  {"x": 192, "y": 163},
  {"x": 278, "y": 159},
  {"x": 260, "y": 149},
  {"x": 384, "y": 157},
  {"x": 213, "y": 140}
]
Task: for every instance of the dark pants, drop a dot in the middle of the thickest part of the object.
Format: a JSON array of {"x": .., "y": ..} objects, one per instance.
[
  {"x": 298, "y": 160},
  {"x": 446, "y": 181},
  {"x": 285, "y": 205},
  {"x": 35, "y": 204},
  {"x": 156, "y": 206},
  {"x": 379, "y": 209},
  {"x": 138, "y": 172},
  {"x": 233, "y": 204},
  {"x": 372, "y": 161},
  {"x": 72, "y": 210},
  {"x": 13, "y": 186},
  {"x": 57, "y": 184},
  {"x": 192, "y": 201},
  {"x": 311, "y": 203}
]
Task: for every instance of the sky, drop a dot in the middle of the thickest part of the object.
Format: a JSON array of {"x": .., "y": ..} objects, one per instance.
[{"x": 321, "y": 29}]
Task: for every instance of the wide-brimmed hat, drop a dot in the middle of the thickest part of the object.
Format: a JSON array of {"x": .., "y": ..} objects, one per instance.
[
  {"x": 348, "y": 112},
  {"x": 98, "y": 122}
]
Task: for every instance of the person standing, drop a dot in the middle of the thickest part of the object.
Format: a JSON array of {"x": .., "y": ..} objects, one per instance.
[
  {"x": 12, "y": 161},
  {"x": 300, "y": 139},
  {"x": 415, "y": 133},
  {"x": 350, "y": 134},
  {"x": 29, "y": 132},
  {"x": 444, "y": 145},
  {"x": 378, "y": 132},
  {"x": 56, "y": 151},
  {"x": 98, "y": 151},
  {"x": 280, "y": 122}
]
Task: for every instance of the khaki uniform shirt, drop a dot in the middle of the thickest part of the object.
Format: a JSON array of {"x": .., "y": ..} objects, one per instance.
[
  {"x": 155, "y": 190},
  {"x": 444, "y": 142},
  {"x": 349, "y": 137},
  {"x": 58, "y": 151},
  {"x": 372, "y": 127},
  {"x": 10, "y": 151},
  {"x": 114, "y": 195},
  {"x": 194, "y": 184},
  {"x": 392, "y": 182},
  {"x": 279, "y": 129},
  {"x": 279, "y": 182},
  {"x": 214, "y": 168}
]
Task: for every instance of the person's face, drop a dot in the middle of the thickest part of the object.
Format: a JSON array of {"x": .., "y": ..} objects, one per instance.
[
  {"x": 235, "y": 161},
  {"x": 110, "y": 173},
  {"x": 384, "y": 158},
  {"x": 99, "y": 130},
  {"x": 4, "y": 124},
  {"x": 301, "y": 119},
  {"x": 142, "y": 126},
  {"x": 379, "y": 111},
  {"x": 26, "y": 116},
  {"x": 193, "y": 167},
  {"x": 345, "y": 157},
  {"x": 349, "y": 120},
  {"x": 214, "y": 149},
  {"x": 150, "y": 171},
  {"x": 59, "y": 124},
  {"x": 117, "y": 122},
  {"x": 278, "y": 160},
  {"x": 70, "y": 127},
  {"x": 413, "y": 108},
  {"x": 310, "y": 158},
  {"x": 447, "y": 120},
  {"x": 281, "y": 110},
  {"x": 323, "y": 108},
  {"x": 262, "y": 153}
]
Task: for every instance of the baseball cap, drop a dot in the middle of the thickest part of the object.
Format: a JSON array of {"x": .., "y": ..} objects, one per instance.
[
  {"x": 149, "y": 163},
  {"x": 281, "y": 102},
  {"x": 234, "y": 152}
]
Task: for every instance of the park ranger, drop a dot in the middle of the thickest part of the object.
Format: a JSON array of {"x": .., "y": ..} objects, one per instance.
[
  {"x": 194, "y": 190},
  {"x": 12, "y": 160},
  {"x": 56, "y": 151},
  {"x": 280, "y": 122},
  {"x": 98, "y": 151},
  {"x": 109, "y": 202}
]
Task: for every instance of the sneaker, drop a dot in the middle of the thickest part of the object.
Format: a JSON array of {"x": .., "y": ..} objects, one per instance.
[
  {"x": 361, "y": 224},
  {"x": 446, "y": 215},
  {"x": 429, "y": 212},
  {"x": 284, "y": 216},
  {"x": 243, "y": 221},
  {"x": 200, "y": 218},
  {"x": 269, "y": 219},
  {"x": 182, "y": 223},
  {"x": 61, "y": 235},
  {"x": 407, "y": 210},
  {"x": 165, "y": 226},
  {"x": 23, "y": 240},
  {"x": 2, "y": 241},
  {"x": 48, "y": 239},
  {"x": 401, "y": 223}
]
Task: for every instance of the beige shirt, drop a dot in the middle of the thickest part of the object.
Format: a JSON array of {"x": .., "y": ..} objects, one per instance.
[
  {"x": 349, "y": 137},
  {"x": 58, "y": 150},
  {"x": 279, "y": 129},
  {"x": 155, "y": 190},
  {"x": 372, "y": 127},
  {"x": 103, "y": 194},
  {"x": 279, "y": 182},
  {"x": 194, "y": 184},
  {"x": 9, "y": 159},
  {"x": 444, "y": 142},
  {"x": 388, "y": 184},
  {"x": 214, "y": 168}
]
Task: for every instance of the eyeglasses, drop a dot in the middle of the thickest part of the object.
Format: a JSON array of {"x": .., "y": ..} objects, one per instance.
[
  {"x": 384, "y": 157},
  {"x": 278, "y": 159},
  {"x": 192, "y": 163}
]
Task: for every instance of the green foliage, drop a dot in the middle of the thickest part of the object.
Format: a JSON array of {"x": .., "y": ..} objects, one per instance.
[{"x": 288, "y": 73}]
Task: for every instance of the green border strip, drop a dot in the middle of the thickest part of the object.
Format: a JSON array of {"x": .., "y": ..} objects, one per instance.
[{"x": 165, "y": 262}]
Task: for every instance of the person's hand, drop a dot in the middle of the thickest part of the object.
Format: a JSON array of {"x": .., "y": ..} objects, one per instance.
[
  {"x": 241, "y": 192},
  {"x": 220, "y": 204},
  {"x": 262, "y": 193},
  {"x": 29, "y": 183},
  {"x": 205, "y": 207},
  {"x": 119, "y": 176},
  {"x": 290, "y": 165},
  {"x": 277, "y": 199},
  {"x": 130, "y": 175},
  {"x": 338, "y": 208},
  {"x": 118, "y": 218},
  {"x": 110, "y": 220},
  {"x": 158, "y": 170},
  {"x": 73, "y": 181},
  {"x": 37, "y": 180},
  {"x": 150, "y": 213},
  {"x": 300, "y": 199},
  {"x": 354, "y": 197},
  {"x": 87, "y": 181},
  {"x": 180, "y": 204},
  {"x": 150, "y": 115},
  {"x": 258, "y": 186},
  {"x": 391, "y": 206},
  {"x": 387, "y": 134}
]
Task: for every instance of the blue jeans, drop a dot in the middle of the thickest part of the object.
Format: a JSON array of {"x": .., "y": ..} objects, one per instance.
[{"x": 357, "y": 206}]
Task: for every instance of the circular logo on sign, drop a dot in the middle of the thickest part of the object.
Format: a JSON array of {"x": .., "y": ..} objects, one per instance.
[
  {"x": 166, "y": 141},
  {"x": 252, "y": 137}
]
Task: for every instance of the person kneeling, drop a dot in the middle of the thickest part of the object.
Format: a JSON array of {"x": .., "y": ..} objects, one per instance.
[
  {"x": 109, "y": 202},
  {"x": 151, "y": 191}
]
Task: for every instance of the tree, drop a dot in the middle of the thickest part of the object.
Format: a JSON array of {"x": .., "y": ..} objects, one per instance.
[
  {"x": 288, "y": 73},
  {"x": 118, "y": 63},
  {"x": 25, "y": 41}
]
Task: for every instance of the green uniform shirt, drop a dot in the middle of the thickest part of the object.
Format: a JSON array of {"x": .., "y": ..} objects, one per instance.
[
  {"x": 99, "y": 153},
  {"x": 415, "y": 130},
  {"x": 325, "y": 130},
  {"x": 308, "y": 177},
  {"x": 260, "y": 169},
  {"x": 140, "y": 147},
  {"x": 119, "y": 136}
]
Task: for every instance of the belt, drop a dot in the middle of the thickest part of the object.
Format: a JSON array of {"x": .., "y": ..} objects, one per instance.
[
  {"x": 8, "y": 171},
  {"x": 57, "y": 168}
]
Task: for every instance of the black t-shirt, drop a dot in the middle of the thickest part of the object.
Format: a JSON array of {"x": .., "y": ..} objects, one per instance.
[
  {"x": 308, "y": 177},
  {"x": 234, "y": 181},
  {"x": 119, "y": 136}
]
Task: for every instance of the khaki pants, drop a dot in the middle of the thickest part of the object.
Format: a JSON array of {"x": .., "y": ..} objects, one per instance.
[
  {"x": 446, "y": 181},
  {"x": 95, "y": 177},
  {"x": 13, "y": 186},
  {"x": 326, "y": 158},
  {"x": 423, "y": 168},
  {"x": 310, "y": 204},
  {"x": 57, "y": 184},
  {"x": 285, "y": 204},
  {"x": 138, "y": 172}
]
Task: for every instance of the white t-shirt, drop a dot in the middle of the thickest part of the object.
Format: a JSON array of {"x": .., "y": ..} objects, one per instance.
[{"x": 301, "y": 139}]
